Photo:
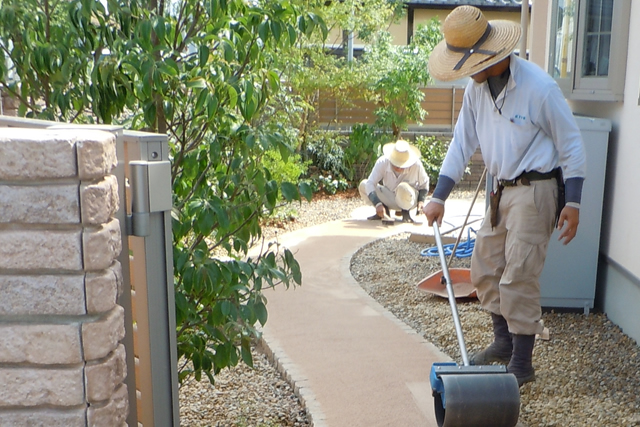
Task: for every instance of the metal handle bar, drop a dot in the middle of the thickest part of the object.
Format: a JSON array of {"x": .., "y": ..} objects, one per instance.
[{"x": 452, "y": 298}]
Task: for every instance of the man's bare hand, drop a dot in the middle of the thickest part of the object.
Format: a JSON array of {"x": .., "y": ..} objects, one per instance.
[
  {"x": 568, "y": 224},
  {"x": 380, "y": 210},
  {"x": 434, "y": 212}
]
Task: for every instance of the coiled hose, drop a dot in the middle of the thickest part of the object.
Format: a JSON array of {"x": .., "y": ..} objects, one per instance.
[{"x": 464, "y": 249}]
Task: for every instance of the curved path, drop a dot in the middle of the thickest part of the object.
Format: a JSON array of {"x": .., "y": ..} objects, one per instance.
[{"x": 351, "y": 361}]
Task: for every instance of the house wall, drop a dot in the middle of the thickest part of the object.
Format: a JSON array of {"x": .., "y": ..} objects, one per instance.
[
  {"x": 423, "y": 16},
  {"x": 61, "y": 360},
  {"x": 538, "y": 26},
  {"x": 400, "y": 29},
  {"x": 621, "y": 270},
  {"x": 618, "y": 287}
]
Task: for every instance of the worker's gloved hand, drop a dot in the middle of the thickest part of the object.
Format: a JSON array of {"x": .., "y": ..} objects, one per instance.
[
  {"x": 419, "y": 208},
  {"x": 434, "y": 212}
]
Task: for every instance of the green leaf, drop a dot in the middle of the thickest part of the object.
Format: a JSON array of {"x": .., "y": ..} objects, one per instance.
[
  {"x": 223, "y": 218},
  {"x": 246, "y": 353},
  {"x": 271, "y": 194},
  {"x": 233, "y": 96},
  {"x": 212, "y": 105},
  {"x": 305, "y": 190},
  {"x": 225, "y": 308},
  {"x": 263, "y": 30},
  {"x": 229, "y": 51},
  {"x": 274, "y": 80},
  {"x": 144, "y": 34},
  {"x": 261, "y": 312},
  {"x": 293, "y": 35},
  {"x": 167, "y": 69},
  {"x": 290, "y": 191},
  {"x": 159, "y": 28},
  {"x": 213, "y": 8},
  {"x": 150, "y": 113},
  {"x": 203, "y": 54},
  {"x": 197, "y": 83},
  {"x": 202, "y": 97},
  {"x": 276, "y": 30},
  {"x": 302, "y": 24}
]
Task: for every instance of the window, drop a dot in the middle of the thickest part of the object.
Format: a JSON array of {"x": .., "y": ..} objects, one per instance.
[
  {"x": 597, "y": 38},
  {"x": 588, "y": 49}
]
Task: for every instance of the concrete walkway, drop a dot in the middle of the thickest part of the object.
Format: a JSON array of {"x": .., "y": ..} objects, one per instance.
[{"x": 350, "y": 360}]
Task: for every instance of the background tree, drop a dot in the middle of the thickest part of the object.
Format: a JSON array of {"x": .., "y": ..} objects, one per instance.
[
  {"x": 387, "y": 75},
  {"x": 398, "y": 74}
]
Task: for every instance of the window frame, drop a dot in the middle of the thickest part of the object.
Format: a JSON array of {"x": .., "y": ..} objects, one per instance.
[{"x": 590, "y": 88}]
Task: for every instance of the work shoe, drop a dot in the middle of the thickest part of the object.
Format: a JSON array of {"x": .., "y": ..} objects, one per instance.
[
  {"x": 500, "y": 349},
  {"x": 520, "y": 364},
  {"x": 406, "y": 217},
  {"x": 375, "y": 216}
]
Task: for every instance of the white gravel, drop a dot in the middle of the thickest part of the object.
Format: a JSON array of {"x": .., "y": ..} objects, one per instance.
[{"x": 588, "y": 372}]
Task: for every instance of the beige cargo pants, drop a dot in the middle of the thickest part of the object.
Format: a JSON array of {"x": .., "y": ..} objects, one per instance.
[{"x": 507, "y": 261}]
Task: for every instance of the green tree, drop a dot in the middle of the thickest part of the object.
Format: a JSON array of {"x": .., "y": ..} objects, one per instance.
[
  {"x": 396, "y": 76},
  {"x": 314, "y": 71},
  {"x": 203, "y": 72}
]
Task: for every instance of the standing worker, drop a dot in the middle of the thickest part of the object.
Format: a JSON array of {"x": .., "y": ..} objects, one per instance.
[
  {"x": 397, "y": 181},
  {"x": 532, "y": 147}
]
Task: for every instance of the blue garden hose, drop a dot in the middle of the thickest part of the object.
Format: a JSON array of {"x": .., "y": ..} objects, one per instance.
[{"x": 464, "y": 249}]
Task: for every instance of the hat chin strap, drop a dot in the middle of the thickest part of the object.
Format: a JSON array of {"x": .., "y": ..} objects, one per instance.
[{"x": 468, "y": 51}]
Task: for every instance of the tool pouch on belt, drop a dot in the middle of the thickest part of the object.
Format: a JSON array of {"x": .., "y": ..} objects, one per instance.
[
  {"x": 561, "y": 200},
  {"x": 494, "y": 202}
]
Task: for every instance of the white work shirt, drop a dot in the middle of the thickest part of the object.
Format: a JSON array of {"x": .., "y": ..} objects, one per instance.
[
  {"x": 535, "y": 132},
  {"x": 414, "y": 175}
]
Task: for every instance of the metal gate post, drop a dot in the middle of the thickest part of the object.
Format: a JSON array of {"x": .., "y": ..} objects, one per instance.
[{"x": 150, "y": 220}]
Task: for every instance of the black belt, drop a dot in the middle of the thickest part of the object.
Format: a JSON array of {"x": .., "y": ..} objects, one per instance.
[{"x": 526, "y": 177}]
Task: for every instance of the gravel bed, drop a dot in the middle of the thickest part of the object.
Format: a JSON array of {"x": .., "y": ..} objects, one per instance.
[
  {"x": 242, "y": 397},
  {"x": 588, "y": 372}
]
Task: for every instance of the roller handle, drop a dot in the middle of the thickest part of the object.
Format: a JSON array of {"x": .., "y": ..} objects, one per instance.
[{"x": 452, "y": 298}]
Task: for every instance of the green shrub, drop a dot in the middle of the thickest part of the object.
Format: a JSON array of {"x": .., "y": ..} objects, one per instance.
[
  {"x": 364, "y": 148},
  {"x": 281, "y": 171},
  {"x": 331, "y": 185},
  {"x": 433, "y": 149},
  {"x": 324, "y": 149}
]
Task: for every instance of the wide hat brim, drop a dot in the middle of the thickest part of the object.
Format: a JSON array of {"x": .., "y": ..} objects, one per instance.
[
  {"x": 406, "y": 196},
  {"x": 389, "y": 151},
  {"x": 502, "y": 39}
]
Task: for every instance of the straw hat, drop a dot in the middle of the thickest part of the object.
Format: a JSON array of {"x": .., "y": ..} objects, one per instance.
[
  {"x": 401, "y": 154},
  {"x": 406, "y": 196},
  {"x": 471, "y": 44}
]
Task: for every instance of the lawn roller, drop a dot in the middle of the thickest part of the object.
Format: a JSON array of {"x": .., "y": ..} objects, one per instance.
[{"x": 471, "y": 396}]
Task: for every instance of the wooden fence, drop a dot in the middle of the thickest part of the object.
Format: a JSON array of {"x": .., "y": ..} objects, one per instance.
[{"x": 442, "y": 105}]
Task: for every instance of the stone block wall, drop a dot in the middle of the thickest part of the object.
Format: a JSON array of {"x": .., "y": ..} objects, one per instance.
[{"x": 61, "y": 360}]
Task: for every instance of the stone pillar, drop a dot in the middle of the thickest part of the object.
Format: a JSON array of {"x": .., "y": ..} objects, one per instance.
[
  {"x": 9, "y": 104},
  {"x": 61, "y": 361}
]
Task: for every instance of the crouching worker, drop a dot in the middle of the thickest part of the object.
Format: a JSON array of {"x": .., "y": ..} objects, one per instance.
[{"x": 397, "y": 182}]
